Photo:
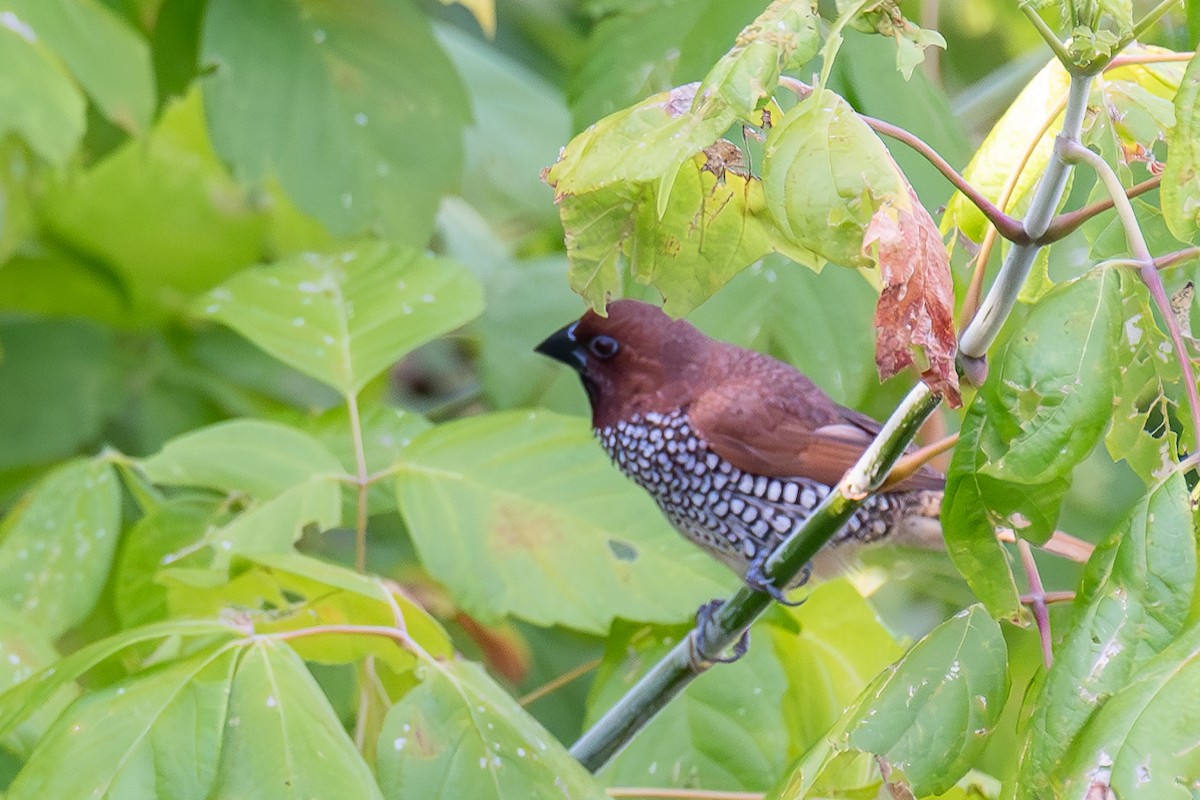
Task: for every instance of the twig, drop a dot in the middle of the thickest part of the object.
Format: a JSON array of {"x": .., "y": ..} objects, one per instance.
[
  {"x": 909, "y": 463},
  {"x": 1050, "y": 598},
  {"x": 647, "y": 793},
  {"x": 1059, "y": 544},
  {"x": 1171, "y": 259},
  {"x": 1147, "y": 58},
  {"x": 1147, "y": 270},
  {"x": 557, "y": 683},
  {"x": 1037, "y": 601},
  {"x": 1009, "y": 227},
  {"x": 1066, "y": 224}
]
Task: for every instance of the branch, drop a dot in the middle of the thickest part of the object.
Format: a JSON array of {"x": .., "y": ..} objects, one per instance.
[
  {"x": 555, "y": 684},
  {"x": 1155, "y": 14},
  {"x": 1066, "y": 224},
  {"x": 1037, "y": 601},
  {"x": 1060, "y": 52},
  {"x": 1146, "y": 269},
  {"x": 1171, "y": 259}
]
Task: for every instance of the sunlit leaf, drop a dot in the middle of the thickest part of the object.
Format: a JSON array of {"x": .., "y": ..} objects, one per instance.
[
  {"x": 886, "y": 19},
  {"x": 24, "y": 650},
  {"x": 287, "y": 741},
  {"x": 457, "y": 734},
  {"x": 104, "y": 53},
  {"x": 58, "y": 545},
  {"x": 1180, "y": 186},
  {"x": 1135, "y": 599},
  {"x": 42, "y": 105},
  {"x": 504, "y": 507},
  {"x": 382, "y": 108},
  {"x": 343, "y": 318}
]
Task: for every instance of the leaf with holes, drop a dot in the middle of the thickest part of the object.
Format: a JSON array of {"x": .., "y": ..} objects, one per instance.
[
  {"x": 343, "y": 318},
  {"x": 1135, "y": 598},
  {"x": 458, "y": 734},
  {"x": 505, "y": 507},
  {"x": 58, "y": 545},
  {"x": 1180, "y": 195}
]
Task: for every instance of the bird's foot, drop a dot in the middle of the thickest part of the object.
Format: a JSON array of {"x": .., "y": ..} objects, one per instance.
[
  {"x": 756, "y": 578},
  {"x": 700, "y": 655}
]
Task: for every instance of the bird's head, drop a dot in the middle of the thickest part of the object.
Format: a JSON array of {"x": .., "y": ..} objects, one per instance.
[{"x": 634, "y": 360}]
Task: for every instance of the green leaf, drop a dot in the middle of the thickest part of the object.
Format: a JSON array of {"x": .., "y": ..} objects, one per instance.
[
  {"x": 287, "y": 742},
  {"x": 205, "y": 226},
  {"x": 369, "y": 82},
  {"x": 505, "y": 507},
  {"x": 38, "y": 100},
  {"x": 262, "y": 459},
  {"x": 156, "y": 734},
  {"x": 1141, "y": 744},
  {"x": 457, "y": 734},
  {"x": 51, "y": 371},
  {"x": 273, "y": 525},
  {"x": 724, "y": 732},
  {"x": 1048, "y": 398},
  {"x": 930, "y": 714},
  {"x": 1147, "y": 404},
  {"x": 25, "y": 649},
  {"x": 25, "y": 699},
  {"x": 1135, "y": 598},
  {"x": 1001, "y": 153},
  {"x": 825, "y": 174},
  {"x": 148, "y": 546},
  {"x": 108, "y": 58},
  {"x": 58, "y": 545},
  {"x": 343, "y": 318},
  {"x": 1179, "y": 189}
]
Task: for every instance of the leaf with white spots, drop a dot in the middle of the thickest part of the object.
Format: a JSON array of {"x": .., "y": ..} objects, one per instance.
[
  {"x": 520, "y": 513},
  {"x": 351, "y": 106},
  {"x": 282, "y": 739},
  {"x": 57, "y": 545},
  {"x": 24, "y": 650},
  {"x": 1136, "y": 596},
  {"x": 343, "y": 318},
  {"x": 929, "y": 714},
  {"x": 259, "y": 458},
  {"x": 458, "y": 734}
]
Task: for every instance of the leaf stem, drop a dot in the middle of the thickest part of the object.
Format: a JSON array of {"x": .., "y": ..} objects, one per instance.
[
  {"x": 555, "y": 684},
  {"x": 1140, "y": 251},
  {"x": 1066, "y": 224},
  {"x": 362, "y": 483},
  {"x": 1171, "y": 259},
  {"x": 1060, "y": 51},
  {"x": 1037, "y": 601}
]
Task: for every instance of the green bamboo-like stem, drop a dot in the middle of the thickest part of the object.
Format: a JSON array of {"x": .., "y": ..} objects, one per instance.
[{"x": 683, "y": 663}]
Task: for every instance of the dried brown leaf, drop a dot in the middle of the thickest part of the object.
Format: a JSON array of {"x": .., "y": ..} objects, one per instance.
[{"x": 916, "y": 306}]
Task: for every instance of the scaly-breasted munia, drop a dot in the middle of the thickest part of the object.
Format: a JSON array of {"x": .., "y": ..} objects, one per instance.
[{"x": 736, "y": 447}]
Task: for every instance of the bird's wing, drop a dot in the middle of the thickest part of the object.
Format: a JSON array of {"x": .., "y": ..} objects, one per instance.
[{"x": 764, "y": 436}]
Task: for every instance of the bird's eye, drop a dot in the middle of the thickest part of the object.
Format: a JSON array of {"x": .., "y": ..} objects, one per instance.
[{"x": 603, "y": 347}]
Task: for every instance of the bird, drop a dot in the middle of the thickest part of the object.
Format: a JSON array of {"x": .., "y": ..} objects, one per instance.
[{"x": 736, "y": 447}]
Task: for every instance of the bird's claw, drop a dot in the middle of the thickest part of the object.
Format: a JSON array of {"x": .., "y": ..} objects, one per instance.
[
  {"x": 757, "y": 579},
  {"x": 704, "y": 616}
]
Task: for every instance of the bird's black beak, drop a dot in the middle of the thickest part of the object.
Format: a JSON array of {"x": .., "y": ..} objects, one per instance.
[{"x": 562, "y": 346}]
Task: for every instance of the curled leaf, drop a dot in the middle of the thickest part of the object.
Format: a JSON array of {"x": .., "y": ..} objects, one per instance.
[{"x": 916, "y": 306}]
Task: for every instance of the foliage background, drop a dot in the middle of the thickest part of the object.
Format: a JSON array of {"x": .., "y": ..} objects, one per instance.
[{"x": 154, "y": 150}]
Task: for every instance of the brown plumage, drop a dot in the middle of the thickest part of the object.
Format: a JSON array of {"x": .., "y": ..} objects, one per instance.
[{"x": 736, "y": 447}]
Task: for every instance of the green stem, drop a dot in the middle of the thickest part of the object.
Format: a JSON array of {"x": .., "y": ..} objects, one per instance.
[
  {"x": 1060, "y": 51},
  {"x": 362, "y": 483},
  {"x": 1153, "y": 16}
]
